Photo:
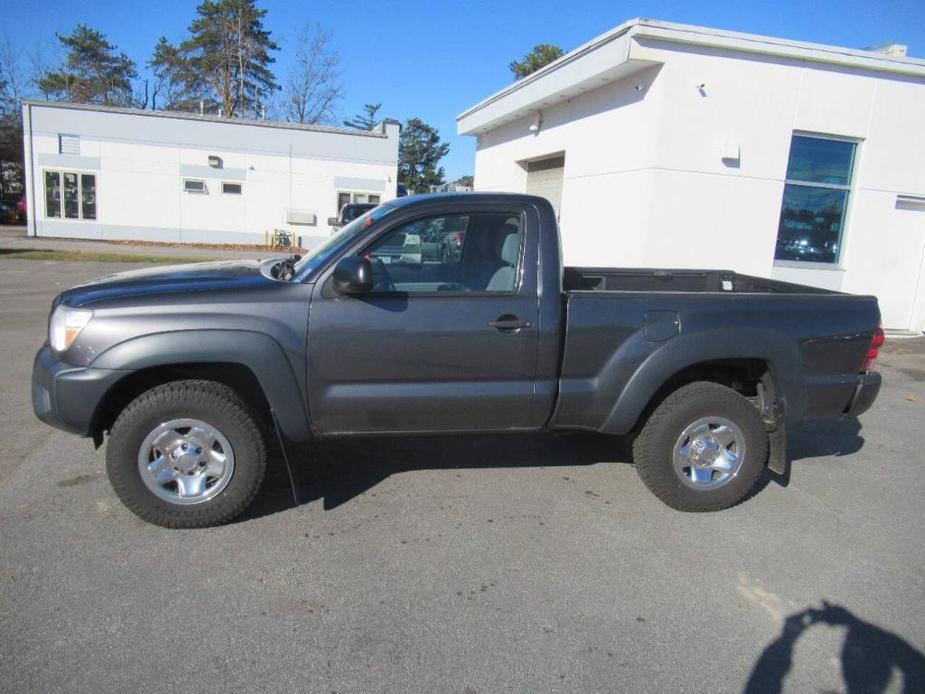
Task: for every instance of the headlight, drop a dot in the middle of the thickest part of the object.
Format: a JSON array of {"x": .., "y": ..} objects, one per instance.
[{"x": 65, "y": 325}]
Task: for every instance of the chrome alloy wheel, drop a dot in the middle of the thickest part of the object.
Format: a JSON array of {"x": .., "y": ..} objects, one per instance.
[
  {"x": 186, "y": 461},
  {"x": 709, "y": 453}
]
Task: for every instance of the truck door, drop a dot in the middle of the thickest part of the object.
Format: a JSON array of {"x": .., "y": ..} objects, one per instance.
[{"x": 447, "y": 339}]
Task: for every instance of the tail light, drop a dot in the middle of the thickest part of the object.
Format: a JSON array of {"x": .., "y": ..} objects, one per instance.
[
  {"x": 873, "y": 351},
  {"x": 458, "y": 238}
]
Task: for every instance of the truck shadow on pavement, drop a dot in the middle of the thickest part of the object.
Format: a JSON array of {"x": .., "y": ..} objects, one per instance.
[
  {"x": 826, "y": 437},
  {"x": 338, "y": 471},
  {"x": 870, "y": 656}
]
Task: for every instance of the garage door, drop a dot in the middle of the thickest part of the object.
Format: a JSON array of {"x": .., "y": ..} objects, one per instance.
[{"x": 544, "y": 178}]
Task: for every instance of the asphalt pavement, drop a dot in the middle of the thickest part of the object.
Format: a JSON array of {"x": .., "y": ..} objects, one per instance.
[{"x": 463, "y": 564}]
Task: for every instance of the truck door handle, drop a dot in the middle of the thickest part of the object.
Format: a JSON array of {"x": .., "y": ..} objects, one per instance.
[{"x": 509, "y": 322}]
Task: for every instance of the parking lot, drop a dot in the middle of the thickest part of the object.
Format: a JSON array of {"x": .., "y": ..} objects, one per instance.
[{"x": 477, "y": 564}]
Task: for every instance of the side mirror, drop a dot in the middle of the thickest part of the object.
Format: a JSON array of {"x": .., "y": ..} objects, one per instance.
[
  {"x": 353, "y": 275},
  {"x": 333, "y": 222}
]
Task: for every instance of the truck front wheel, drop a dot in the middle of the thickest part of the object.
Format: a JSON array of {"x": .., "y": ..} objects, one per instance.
[
  {"x": 186, "y": 454},
  {"x": 702, "y": 449}
]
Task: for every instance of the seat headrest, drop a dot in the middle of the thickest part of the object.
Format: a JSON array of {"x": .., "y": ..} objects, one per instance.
[{"x": 510, "y": 249}]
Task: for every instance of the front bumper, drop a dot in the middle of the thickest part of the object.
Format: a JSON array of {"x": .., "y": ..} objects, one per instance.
[
  {"x": 864, "y": 394},
  {"x": 65, "y": 396}
]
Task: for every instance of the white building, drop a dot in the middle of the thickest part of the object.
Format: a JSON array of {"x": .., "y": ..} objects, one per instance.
[
  {"x": 113, "y": 173},
  {"x": 451, "y": 187},
  {"x": 665, "y": 145}
]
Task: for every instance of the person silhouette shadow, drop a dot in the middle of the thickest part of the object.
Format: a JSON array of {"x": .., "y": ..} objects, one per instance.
[{"x": 869, "y": 655}]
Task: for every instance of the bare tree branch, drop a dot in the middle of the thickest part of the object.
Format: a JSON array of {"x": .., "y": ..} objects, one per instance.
[{"x": 313, "y": 87}]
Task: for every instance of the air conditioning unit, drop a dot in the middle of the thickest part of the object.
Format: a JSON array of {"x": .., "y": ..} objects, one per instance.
[{"x": 306, "y": 217}]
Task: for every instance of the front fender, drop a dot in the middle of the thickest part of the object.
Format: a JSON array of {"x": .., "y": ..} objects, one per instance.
[{"x": 258, "y": 352}]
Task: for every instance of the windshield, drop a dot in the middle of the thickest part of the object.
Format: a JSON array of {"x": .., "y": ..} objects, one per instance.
[{"x": 317, "y": 257}]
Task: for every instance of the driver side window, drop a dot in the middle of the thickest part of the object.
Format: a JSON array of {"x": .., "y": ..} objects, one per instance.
[{"x": 477, "y": 252}]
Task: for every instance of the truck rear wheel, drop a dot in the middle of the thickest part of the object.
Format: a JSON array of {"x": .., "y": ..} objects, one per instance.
[
  {"x": 186, "y": 454},
  {"x": 702, "y": 449}
]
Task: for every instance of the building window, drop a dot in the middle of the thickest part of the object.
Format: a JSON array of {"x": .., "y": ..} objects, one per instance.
[
  {"x": 812, "y": 217},
  {"x": 193, "y": 186},
  {"x": 70, "y": 195},
  {"x": 232, "y": 188}
]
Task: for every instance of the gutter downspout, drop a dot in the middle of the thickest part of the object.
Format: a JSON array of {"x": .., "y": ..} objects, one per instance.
[{"x": 29, "y": 177}]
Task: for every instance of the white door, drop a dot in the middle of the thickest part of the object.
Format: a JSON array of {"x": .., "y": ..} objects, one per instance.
[{"x": 544, "y": 178}]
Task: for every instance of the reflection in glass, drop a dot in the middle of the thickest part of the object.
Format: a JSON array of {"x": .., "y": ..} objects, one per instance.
[
  {"x": 70, "y": 196},
  {"x": 88, "y": 196},
  {"x": 815, "y": 160},
  {"x": 812, "y": 216},
  {"x": 52, "y": 194},
  {"x": 810, "y": 224}
]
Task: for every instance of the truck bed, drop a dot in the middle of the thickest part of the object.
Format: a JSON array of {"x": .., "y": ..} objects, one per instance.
[
  {"x": 629, "y": 331},
  {"x": 669, "y": 280}
]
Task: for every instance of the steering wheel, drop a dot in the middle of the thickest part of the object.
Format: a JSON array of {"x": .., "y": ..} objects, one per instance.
[{"x": 382, "y": 281}]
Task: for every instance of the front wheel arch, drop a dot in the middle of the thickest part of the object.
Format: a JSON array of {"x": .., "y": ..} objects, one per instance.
[
  {"x": 238, "y": 377},
  {"x": 279, "y": 373}
]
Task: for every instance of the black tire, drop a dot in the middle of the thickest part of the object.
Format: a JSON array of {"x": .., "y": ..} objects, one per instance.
[
  {"x": 653, "y": 449},
  {"x": 210, "y": 402}
]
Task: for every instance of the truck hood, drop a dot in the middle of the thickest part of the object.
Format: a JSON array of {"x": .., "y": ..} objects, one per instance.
[{"x": 230, "y": 275}]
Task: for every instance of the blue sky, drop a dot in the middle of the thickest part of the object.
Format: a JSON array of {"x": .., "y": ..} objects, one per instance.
[{"x": 433, "y": 59}]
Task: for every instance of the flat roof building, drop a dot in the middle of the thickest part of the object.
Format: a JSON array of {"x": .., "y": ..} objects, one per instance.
[
  {"x": 666, "y": 145},
  {"x": 116, "y": 173}
]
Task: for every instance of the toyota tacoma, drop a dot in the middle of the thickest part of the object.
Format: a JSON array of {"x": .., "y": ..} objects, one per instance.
[{"x": 193, "y": 371}]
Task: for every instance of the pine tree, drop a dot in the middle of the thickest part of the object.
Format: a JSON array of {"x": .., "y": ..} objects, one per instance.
[
  {"x": 92, "y": 73},
  {"x": 419, "y": 155},
  {"x": 228, "y": 55},
  {"x": 175, "y": 87},
  {"x": 365, "y": 120},
  {"x": 541, "y": 55}
]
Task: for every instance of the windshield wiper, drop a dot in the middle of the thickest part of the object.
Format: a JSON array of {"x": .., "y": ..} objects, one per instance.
[{"x": 285, "y": 269}]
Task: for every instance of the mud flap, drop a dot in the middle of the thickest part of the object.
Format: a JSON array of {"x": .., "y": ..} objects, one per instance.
[
  {"x": 296, "y": 483},
  {"x": 778, "y": 462}
]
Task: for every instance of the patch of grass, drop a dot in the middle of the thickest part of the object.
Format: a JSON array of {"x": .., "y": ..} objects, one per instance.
[{"x": 83, "y": 256}]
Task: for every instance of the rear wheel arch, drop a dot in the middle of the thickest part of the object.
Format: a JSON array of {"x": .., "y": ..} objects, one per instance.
[
  {"x": 721, "y": 356},
  {"x": 752, "y": 378}
]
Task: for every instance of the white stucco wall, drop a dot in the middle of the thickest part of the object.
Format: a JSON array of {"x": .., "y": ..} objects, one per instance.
[
  {"x": 646, "y": 183},
  {"x": 141, "y": 160}
]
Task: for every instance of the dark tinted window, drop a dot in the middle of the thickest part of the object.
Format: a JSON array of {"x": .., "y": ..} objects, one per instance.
[
  {"x": 815, "y": 200},
  {"x": 815, "y": 160},
  {"x": 811, "y": 224}
]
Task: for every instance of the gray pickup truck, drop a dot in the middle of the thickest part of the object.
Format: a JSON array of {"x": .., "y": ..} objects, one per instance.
[{"x": 194, "y": 370}]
